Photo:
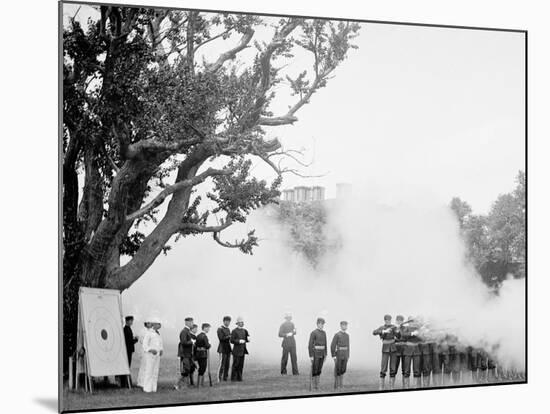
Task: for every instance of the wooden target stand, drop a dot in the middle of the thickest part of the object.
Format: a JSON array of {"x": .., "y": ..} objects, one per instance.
[{"x": 79, "y": 364}]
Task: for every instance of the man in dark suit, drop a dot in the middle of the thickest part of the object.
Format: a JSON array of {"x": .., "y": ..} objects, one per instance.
[
  {"x": 224, "y": 348},
  {"x": 185, "y": 354},
  {"x": 287, "y": 332},
  {"x": 239, "y": 338},
  {"x": 129, "y": 338}
]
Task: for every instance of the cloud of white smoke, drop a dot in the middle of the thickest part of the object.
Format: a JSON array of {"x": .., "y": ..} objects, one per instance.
[{"x": 405, "y": 259}]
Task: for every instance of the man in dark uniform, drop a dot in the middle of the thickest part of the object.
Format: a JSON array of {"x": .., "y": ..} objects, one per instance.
[
  {"x": 129, "y": 338},
  {"x": 185, "y": 354},
  {"x": 441, "y": 369},
  {"x": 472, "y": 363},
  {"x": 239, "y": 338},
  {"x": 387, "y": 333},
  {"x": 427, "y": 348},
  {"x": 317, "y": 349},
  {"x": 339, "y": 349},
  {"x": 202, "y": 345},
  {"x": 447, "y": 356},
  {"x": 287, "y": 331},
  {"x": 462, "y": 362},
  {"x": 437, "y": 362},
  {"x": 224, "y": 348},
  {"x": 399, "y": 349},
  {"x": 482, "y": 365},
  {"x": 491, "y": 364},
  {"x": 453, "y": 373},
  {"x": 409, "y": 332}
]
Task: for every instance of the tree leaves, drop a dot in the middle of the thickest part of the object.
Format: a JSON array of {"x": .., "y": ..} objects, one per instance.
[{"x": 496, "y": 241}]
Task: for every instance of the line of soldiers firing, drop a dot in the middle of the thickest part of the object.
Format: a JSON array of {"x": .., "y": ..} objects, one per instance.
[{"x": 433, "y": 353}]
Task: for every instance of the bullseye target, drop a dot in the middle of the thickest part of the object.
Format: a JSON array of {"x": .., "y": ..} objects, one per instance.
[
  {"x": 104, "y": 331},
  {"x": 102, "y": 334}
]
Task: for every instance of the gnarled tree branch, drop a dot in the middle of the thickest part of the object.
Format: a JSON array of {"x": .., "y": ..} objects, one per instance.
[
  {"x": 190, "y": 182},
  {"x": 231, "y": 53}
]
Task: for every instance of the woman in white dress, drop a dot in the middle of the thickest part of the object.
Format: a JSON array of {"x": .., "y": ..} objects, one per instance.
[
  {"x": 152, "y": 351},
  {"x": 146, "y": 327}
]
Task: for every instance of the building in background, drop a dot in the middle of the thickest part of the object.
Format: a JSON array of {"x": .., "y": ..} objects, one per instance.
[{"x": 304, "y": 194}]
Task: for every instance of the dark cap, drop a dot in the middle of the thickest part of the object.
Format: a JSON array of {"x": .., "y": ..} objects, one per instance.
[
  {"x": 399, "y": 318},
  {"x": 194, "y": 326},
  {"x": 320, "y": 320},
  {"x": 205, "y": 325},
  {"x": 129, "y": 318},
  {"x": 387, "y": 317},
  {"x": 189, "y": 319},
  {"x": 343, "y": 322},
  {"x": 227, "y": 318}
]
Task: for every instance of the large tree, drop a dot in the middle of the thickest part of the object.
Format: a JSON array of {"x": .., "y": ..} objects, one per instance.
[{"x": 148, "y": 116}]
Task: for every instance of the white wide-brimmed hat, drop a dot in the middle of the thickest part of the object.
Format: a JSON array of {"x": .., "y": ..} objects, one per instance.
[{"x": 153, "y": 319}]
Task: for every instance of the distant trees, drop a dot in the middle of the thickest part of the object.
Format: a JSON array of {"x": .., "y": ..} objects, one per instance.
[
  {"x": 306, "y": 223},
  {"x": 496, "y": 241}
]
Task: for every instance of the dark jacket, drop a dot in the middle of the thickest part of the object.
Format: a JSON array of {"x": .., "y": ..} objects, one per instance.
[
  {"x": 185, "y": 347},
  {"x": 340, "y": 345},
  {"x": 236, "y": 335},
  {"x": 129, "y": 339},
  {"x": 388, "y": 334},
  {"x": 317, "y": 343},
  {"x": 224, "y": 335},
  {"x": 286, "y": 328},
  {"x": 202, "y": 346},
  {"x": 409, "y": 334}
]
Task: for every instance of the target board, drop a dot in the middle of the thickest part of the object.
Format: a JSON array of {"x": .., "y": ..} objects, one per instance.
[{"x": 101, "y": 333}]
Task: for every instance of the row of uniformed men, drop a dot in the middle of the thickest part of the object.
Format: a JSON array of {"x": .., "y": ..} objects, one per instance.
[
  {"x": 317, "y": 349},
  {"x": 193, "y": 350},
  {"x": 431, "y": 353},
  {"x": 190, "y": 349}
]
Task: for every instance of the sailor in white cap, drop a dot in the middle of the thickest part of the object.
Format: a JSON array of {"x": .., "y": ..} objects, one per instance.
[
  {"x": 152, "y": 351},
  {"x": 239, "y": 338},
  {"x": 287, "y": 332}
]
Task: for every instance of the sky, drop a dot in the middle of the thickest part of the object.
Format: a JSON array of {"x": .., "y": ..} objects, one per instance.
[{"x": 413, "y": 112}]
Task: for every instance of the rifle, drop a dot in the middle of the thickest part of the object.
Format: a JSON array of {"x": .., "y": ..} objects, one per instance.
[{"x": 208, "y": 365}]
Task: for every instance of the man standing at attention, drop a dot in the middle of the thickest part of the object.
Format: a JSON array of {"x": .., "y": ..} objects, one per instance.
[
  {"x": 317, "y": 351},
  {"x": 224, "y": 348},
  {"x": 239, "y": 338},
  {"x": 339, "y": 349},
  {"x": 287, "y": 331}
]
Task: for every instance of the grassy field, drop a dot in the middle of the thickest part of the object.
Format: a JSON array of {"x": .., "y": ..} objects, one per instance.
[{"x": 260, "y": 381}]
